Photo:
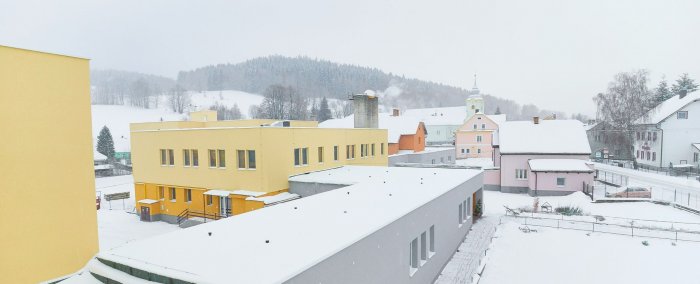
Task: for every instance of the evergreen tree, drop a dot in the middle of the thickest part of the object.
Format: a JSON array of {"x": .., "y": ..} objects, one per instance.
[
  {"x": 684, "y": 83},
  {"x": 498, "y": 110},
  {"x": 105, "y": 144},
  {"x": 324, "y": 112},
  {"x": 662, "y": 92}
]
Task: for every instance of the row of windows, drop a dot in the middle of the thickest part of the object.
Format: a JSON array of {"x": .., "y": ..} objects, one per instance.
[
  {"x": 467, "y": 150},
  {"x": 647, "y": 154},
  {"x": 442, "y": 159},
  {"x": 172, "y": 195},
  {"x": 247, "y": 158},
  {"x": 465, "y": 211},
  {"x": 483, "y": 126},
  {"x": 649, "y": 136},
  {"x": 520, "y": 174},
  {"x": 421, "y": 249}
]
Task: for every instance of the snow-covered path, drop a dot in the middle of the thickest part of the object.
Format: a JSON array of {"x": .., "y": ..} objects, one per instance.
[{"x": 466, "y": 260}]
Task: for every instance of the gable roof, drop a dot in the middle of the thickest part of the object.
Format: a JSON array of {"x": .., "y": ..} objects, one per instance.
[
  {"x": 446, "y": 115},
  {"x": 396, "y": 125},
  {"x": 667, "y": 108},
  {"x": 547, "y": 137}
]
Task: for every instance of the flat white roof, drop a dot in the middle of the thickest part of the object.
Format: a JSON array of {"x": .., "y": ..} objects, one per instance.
[
  {"x": 560, "y": 165},
  {"x": 273, "y": 244},
  {"x": 280, "y": 197},
  {"x": 547, "y": 137}
]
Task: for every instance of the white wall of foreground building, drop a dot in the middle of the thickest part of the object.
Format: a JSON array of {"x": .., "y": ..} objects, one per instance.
[{"x": 361, "y": 233}]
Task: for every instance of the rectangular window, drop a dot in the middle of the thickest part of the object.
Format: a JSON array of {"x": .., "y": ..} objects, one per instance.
[
  {"x": 648, "y": 155},
  {"x": 474, "y": 126},
  {"x": 696, "y": 157},
  {"x": 654, "y": 136},
  {"x": 478, "y": 150},
  {"x": 161, "y": 192},
  {"x": 212, "y": 158},
  {"x": 637, "y": 154},
  {"x": 347, "y": 152},
  {"x": 413, "y": 256},
  {"x": 469, "y": 206},
  {"x": 352, "y": 148},
  {"x": 637, "y": 135},
  {"x": 432, "y": 238},
  {"x": 483, "y": 126},
  {"x": 423, "y": 247},
  {"x": 188, "y": 195},
  {"x": 382, "y": 148},
  {"x": 241, "y": 158},
  {"x": 171, "y": 157},
  {"x": 297, "y": 156},
  {"x": 464, "y": 207},
  {"x": 320, "y": 155},
  {"x": 644, "y": 136},
  {"x": 372, "y": 149},
  {"x": 195, "y": 158},
  {"x": 210, "y": 200},
  {"x": 186, "y": 157},
  {"x": 478, "y": 138},
  {"x": 172, "y": 194},
  {"x": 163, "y": 158},
  {"x": 653, "y": 156},
  {"x": 362, "y": 150},
  {"x": 251, "y": 159},
  {"x": 305, "y": 156},
  {"x": 459, "y": 214},
  {"x": 462, "y": 150},
  {"x": 335, "y": 153},
  {"x": 561, "y": 181},
  {"x": 649, "y": 135},
  {"x": 222, "y": 158},
  {"x": 682, "y": 115},
  {"x": 521, "y": 174}
]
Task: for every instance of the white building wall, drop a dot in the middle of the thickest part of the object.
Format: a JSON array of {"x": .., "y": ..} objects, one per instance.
[{"x": 678, "y": 135}]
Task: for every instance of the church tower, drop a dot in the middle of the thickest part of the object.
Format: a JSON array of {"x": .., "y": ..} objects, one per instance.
[{"x": 475, "y": 102}]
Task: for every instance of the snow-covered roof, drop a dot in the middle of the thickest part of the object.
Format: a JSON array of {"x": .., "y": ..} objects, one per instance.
[
  {"x": 247, "y": 193},
  {"x": 97, "y": 156},
  {"x": 559, "y": 165},
  {"x": 147, "y": 201},
  {"x": 396, "y": 125},
  {"x": 446, "y": 115},
  {"x": 667, "y": 108},
  {"x": 273, "y": 244},
  {"x": 103, "y": 167},
  {"x": 547, "y": 137},
  {"x": 280, "y": 197}
]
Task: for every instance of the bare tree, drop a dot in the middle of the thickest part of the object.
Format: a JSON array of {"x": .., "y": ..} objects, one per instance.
[
  {"x": 179, "y": 99},
  {"x": 627, "y": 99}
]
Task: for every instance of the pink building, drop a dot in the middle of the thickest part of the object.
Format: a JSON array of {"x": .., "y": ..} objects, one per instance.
[
  {"x": 540, "y": 157},
  {"x": 474, "y": 139}
]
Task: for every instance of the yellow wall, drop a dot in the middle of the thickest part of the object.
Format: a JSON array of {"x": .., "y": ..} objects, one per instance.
[
  {"x": 48, "y": 225},
  {"x": 274, "y": 147}
]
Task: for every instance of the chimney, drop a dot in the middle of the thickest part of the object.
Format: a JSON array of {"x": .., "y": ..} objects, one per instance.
[
  {"x": 366, "y": 110},
  {"x": 395, "y": 112},
  {"x": 536, "y": 119},
  {"x": 682, "y": 93}
]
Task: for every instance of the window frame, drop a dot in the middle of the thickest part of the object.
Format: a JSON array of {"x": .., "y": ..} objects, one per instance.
[
  {"x": 163, "y": 157},
  {"x": 186, "y": 158},
  {"x": 336, "y": 153},
  {"x": 172, "y": 194},
  {"x": 195, "y": 158},
  {"x": 171, "y": 157},
  {"x": 212, "y": 158},
  {"x": 563, "y": 181},
  {"x": 188, "y": 195},
  {"x": 251, "y": 159},
  {"x": 221, "y": 158},
  {"x": 241, "y": 158},
  {"x": 320, "y": 153},
  {"x": 684, "y": 112}
]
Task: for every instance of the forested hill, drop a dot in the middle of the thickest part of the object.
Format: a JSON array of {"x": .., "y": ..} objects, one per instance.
[{"x": 310, "y": 78}]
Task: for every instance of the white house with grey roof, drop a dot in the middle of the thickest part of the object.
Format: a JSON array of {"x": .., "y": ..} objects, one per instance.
[{"x": 668, "y": 134}]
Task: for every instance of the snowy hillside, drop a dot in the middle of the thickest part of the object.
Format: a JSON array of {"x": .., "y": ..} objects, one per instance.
[{"x": 117, "y": 117}]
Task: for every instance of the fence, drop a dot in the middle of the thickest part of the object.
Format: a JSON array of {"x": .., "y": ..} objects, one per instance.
[
  {"x": 687, "y": 172},
  {"x": 609, "y": 185},
  {"x": 643, "y": 230}
]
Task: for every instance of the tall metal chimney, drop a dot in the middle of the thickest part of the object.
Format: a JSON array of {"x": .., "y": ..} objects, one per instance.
[
  {"x": 536, "y": 119},
  {"x": 366, "y": 110}
]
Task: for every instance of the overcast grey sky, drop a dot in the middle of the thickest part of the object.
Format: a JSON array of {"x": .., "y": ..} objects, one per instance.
[{"x": 556, "y": 54}]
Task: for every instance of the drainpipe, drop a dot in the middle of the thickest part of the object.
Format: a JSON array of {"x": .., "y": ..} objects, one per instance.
[{"x": 535, "y": 183}]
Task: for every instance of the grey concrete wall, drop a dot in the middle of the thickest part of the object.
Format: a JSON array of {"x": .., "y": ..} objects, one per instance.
[
  {"x": 305, "y": 189},
  {"x": 514, "y": 189},
  {"x": 446, "y": 156},
  {"x": 383, "y": 256}
]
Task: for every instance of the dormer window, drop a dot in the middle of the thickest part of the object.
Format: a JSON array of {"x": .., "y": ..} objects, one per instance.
[{"x": 682, "y": 115}]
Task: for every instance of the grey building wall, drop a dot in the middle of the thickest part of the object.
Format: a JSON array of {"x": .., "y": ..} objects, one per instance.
[
  {"x": 366, "y": 111},
  {"x": 618, "y": 144},
  {"x": 383, "y": 256},
  {"x": 446, "y": 156},
  {"x": 305, "y": 189}
]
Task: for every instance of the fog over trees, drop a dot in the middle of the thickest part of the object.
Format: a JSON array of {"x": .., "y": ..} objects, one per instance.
[{"x": 308, "y": 79}]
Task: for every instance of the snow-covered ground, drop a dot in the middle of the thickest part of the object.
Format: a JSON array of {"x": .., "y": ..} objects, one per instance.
[
  {"x": 121, "y": 225},
  {"x": 553, "y": 255},
  {"x": 117, "y": 117}
]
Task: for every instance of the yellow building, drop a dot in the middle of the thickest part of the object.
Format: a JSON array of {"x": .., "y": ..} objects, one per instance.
[
  {"x": 48, "y": 220},
  {"x": 220, "y": 168}
]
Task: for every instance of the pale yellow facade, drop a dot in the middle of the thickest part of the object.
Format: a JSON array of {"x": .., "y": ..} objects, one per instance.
[
  {"x": 274, "y": 151},
  {"x": 48, "y": 221}
]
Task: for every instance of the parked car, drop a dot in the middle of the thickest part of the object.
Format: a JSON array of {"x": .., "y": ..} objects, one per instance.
[{"x": 633, "y": 192}]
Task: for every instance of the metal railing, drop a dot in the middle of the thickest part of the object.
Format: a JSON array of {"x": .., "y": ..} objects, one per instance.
[
  {"x": 187, "y": 214},
  {"x": 645, "y": 231}
]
